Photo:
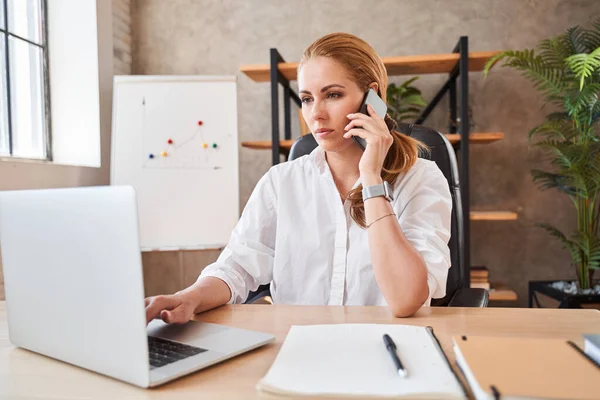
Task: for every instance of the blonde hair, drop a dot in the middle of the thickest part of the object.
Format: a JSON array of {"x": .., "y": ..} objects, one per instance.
[{"x": 364, "y": 67}]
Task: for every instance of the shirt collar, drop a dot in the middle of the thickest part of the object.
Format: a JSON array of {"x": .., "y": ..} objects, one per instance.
[
  {"x": 318, "y": 157},
  {"x": 320, "y": 161}
]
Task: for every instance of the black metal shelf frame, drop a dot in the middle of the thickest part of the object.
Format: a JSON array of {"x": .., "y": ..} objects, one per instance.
[{"x": 461, "y": 96}]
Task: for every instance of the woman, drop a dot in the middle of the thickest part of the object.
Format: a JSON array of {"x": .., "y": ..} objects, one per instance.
[{"x": 306, "y": 228}]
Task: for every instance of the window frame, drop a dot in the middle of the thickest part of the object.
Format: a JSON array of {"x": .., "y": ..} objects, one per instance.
[{"x": 46, "y": 80}]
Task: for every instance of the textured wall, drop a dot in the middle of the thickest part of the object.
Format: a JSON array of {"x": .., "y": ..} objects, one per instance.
[
  {"x": 122, "y": 36},
  {"x": 209, "y": 37}
]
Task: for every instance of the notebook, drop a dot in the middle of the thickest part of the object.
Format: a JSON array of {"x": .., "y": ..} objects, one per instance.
[
  {"x": 592, "y": 346},
  {"x": 526, "y": 368},
  {"x": 351, "y": 360}
]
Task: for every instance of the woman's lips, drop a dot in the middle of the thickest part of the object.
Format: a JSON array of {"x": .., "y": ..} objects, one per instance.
[{"x": 323, "y": 133}]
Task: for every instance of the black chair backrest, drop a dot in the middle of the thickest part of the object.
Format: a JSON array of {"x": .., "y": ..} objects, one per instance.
[{"x": 442, "y": 153}]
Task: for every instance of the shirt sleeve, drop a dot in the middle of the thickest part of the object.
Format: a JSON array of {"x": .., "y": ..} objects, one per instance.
[
  {"x": 426, "y": 221},
  {"x": 247, "y": 260}
]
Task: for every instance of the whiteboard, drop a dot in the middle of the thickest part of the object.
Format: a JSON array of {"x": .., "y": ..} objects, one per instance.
[{"x": 175, "y": 140}]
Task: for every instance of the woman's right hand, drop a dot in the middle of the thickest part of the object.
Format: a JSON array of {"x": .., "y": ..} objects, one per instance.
[{"x": 172, "y": 309}]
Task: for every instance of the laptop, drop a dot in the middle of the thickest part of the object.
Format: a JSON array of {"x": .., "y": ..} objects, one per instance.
[{"x": 75, "y": 290}]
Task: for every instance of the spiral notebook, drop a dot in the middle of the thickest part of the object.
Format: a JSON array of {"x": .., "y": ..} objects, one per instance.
[{"x": 351, "y": 360}]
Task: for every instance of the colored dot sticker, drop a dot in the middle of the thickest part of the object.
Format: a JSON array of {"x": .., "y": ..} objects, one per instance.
[
  {"x": 164, "y": 154},
  {"x": 205, "y": 145},
  {"x": 200, "y": 123},
  {"x": 151, "y": 156},
  {"x": 170, "y": 141},
  {"x": 214, "y": 146}
]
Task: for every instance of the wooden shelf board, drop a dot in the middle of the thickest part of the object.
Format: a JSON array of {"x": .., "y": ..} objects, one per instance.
[
  {"x": 502, "y": 294},
  {"x": 475, "y": 138},
  {"x": 493, "y": 216},
  {"x": 401, "y": 65},
  {"x": 266, "y": 144}
]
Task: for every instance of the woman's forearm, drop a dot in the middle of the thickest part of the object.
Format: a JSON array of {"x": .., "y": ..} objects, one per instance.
[
  {"x": 399, "y": 269},
  {"x": 207, "y": 293}
]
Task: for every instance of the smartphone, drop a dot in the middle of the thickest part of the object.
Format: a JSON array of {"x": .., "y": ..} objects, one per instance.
[{"x": 378, "y": 105}]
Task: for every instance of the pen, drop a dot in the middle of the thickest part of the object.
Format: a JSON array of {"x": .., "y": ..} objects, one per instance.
[{"x": 391, "y": 348}]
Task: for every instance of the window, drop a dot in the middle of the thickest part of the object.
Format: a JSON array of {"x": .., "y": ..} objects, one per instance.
[{"x": 24, "y": 88}]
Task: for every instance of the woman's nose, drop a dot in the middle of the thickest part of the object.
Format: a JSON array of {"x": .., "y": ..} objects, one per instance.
[{"x": 319, "y": 110}]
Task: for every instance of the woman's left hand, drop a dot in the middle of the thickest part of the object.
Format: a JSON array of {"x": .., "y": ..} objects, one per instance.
[{"x": 378, "y": 138}]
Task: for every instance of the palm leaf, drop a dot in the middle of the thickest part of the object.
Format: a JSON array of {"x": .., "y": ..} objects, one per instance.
[
  {"x": 493, "y": 60},
  {"x": 584, "y": 65},
  {"x": 565, "y": 156},
  {"x": 567, "y": 244},
  {"x": 577, "y": 100},
  {"x": 554, "y": 127},
  {"x": 550, "y": 180},
  {"x": 594, "y": 110},
  {"x": 572, "y": 40},
  {"x": 552, "y": 53},
  {"x": 545, "y": 78},
  {"x": 591, "y": 38},
  {"x": 594, "y": 256}
]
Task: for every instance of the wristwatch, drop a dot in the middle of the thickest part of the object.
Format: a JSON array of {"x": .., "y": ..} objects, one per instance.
[{"x": 383, "y": 189}]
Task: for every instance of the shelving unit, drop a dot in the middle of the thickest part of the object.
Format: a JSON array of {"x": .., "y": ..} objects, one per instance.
[
  {"x": 456, "y": 64},
  {"x": 454, "y": 138},
  {"x": 404, "y": 65}
]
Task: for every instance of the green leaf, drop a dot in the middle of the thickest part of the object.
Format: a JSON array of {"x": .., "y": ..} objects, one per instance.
[
  {"x": 584, "y": 65},
  {"x": 493, "y": 60},
  {"x": 549, "y": 180},
  {"x": 554, "y": 128},
  {"x": 576, "y": 101},
  {"x": 409, "y": 82},
  {"x": 404, "y": 101},
  {"x": 591, "y": 38},
  {"x": 414, "y": 100},
  {"x": 567, "y": 244},
  {"x": 572, "y": 40}
]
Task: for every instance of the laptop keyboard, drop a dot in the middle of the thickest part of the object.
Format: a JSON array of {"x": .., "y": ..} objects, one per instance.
[{"x": 163, "y": 352}]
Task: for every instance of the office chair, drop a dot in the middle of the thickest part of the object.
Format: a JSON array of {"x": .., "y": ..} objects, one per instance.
[{"x": 442, "y": 153}]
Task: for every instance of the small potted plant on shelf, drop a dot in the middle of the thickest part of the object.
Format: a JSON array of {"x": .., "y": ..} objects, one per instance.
[
  {"x": 566, "y": 70},
  {"x": 404, "y": 101}
]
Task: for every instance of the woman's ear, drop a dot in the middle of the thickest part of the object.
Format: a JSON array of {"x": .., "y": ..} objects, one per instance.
[{"x": 374, "y": 86}]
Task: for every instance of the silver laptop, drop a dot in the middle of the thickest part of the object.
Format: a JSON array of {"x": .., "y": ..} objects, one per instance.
[{"x": 75, "y": 290}]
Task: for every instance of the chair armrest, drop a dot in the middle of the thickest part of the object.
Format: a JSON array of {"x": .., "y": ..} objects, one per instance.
[
  {"x": 470, "y": 297},
  {"x": 259, "y": 294}
]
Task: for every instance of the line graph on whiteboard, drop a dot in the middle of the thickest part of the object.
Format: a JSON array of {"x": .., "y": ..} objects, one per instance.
[{"x": 182, "y": 143}]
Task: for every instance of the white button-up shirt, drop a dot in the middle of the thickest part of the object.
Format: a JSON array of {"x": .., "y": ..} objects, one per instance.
[{"x": 296, "y": 234}]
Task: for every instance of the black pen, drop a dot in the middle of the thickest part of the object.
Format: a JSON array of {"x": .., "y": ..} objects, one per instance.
[{"x": 391, "y": 348}]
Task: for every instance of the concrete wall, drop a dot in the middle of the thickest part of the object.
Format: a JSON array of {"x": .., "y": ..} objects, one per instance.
[{"x": 122, "y": 36}]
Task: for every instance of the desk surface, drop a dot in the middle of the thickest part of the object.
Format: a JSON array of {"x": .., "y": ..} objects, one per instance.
[{"x": 25, "y": 375}]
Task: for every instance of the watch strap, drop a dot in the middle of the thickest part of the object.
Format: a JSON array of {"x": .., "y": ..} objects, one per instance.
[{"x": 383, "y": 189}]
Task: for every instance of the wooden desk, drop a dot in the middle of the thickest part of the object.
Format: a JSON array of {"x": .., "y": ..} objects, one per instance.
[{"x": 25, "y": 375}]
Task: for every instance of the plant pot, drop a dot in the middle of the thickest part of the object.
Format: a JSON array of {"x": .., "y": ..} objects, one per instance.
[{"x": 567, "y": 292}]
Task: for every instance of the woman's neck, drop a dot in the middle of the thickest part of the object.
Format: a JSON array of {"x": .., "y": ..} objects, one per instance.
[{"x": 344, "y": 167}]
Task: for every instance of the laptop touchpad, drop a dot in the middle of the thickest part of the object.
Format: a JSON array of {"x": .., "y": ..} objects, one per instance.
[{"x": 213, "y": 337}]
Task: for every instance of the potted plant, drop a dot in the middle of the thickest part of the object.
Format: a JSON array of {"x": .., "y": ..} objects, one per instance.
[
  {"x": 404, "y": 101},
  {"x": 566, "y": 70}
]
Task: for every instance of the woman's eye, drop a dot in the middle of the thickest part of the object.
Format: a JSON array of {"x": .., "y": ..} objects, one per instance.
[
  {"x": 334, "y": 95},
  {"x": 305, "y": 100}
]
